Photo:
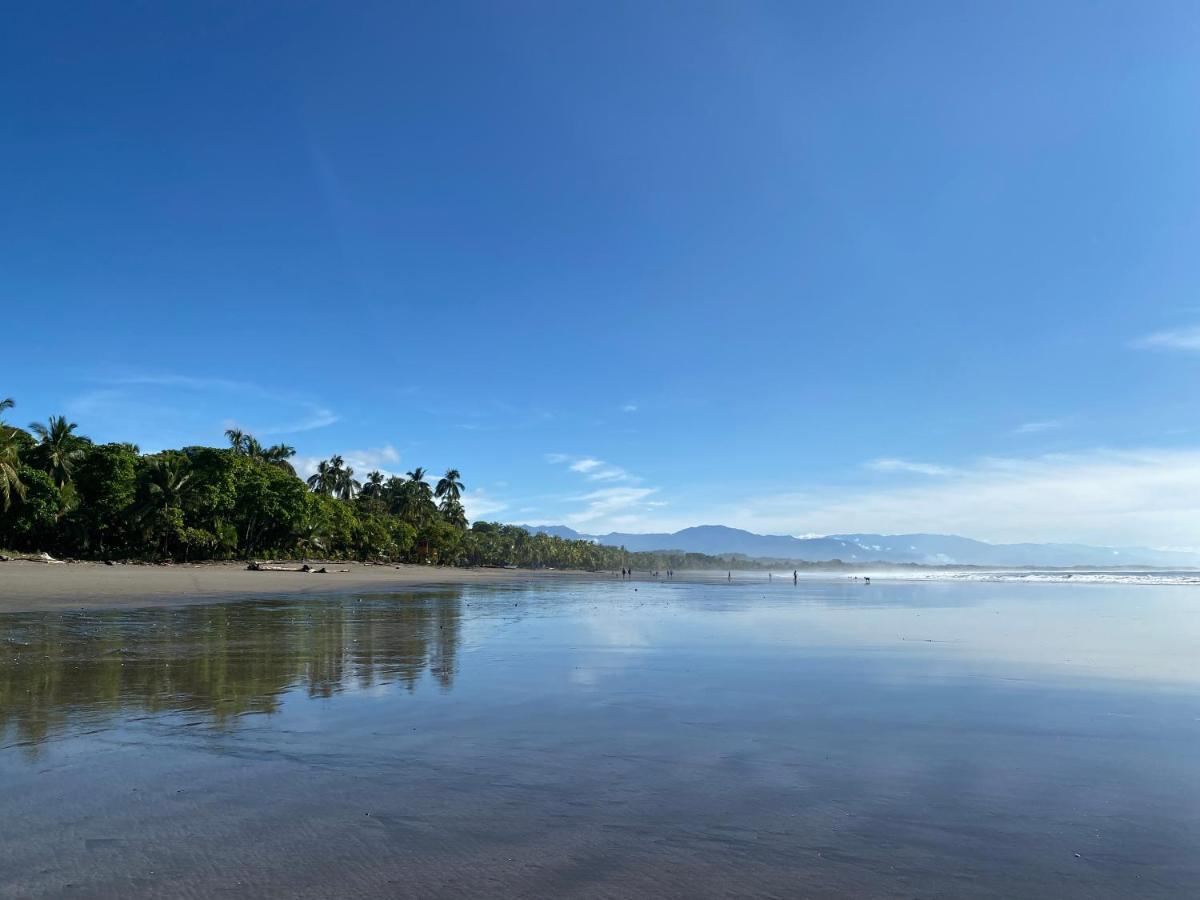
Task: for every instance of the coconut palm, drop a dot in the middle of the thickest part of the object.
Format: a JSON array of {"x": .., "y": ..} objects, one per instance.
[
  {"x": 347, "y": 485},
  {"x": 450, "y": 486},
  {"x": 418, "y": 485},
  {"x": 10, "y": 462},
  {"x": 276, "y": 455},
  {"x": 373, "y": 487},
  {"x": 168, "y": 481},
  {"x": 60, "y": 448},
  {"x": 237, "y": 439},
  {"x": 452, "y": 511},
  {"x": 322, "y": 481},
  {"x": 169, "y": 484}
]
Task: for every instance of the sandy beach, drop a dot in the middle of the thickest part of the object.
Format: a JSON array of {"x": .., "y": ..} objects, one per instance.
[{"x": 27, "y": 586}]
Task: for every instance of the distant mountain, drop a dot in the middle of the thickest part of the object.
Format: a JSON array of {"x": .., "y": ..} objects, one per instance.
[{"x": 926, "y": 549}]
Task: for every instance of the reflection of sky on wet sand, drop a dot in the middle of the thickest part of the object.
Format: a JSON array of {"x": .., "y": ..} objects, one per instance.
[{"x": 611, "y": 739}]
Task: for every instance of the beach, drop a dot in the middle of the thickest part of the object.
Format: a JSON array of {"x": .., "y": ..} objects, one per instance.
[
  {"x": 28, "y": 586},
  {"x": 538, "y": 734}
]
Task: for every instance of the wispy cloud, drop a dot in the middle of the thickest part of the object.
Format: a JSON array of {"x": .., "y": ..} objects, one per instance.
[
  {"x": 361, "y": 461},
  {"x": 591, "y": 468},
  {"x": 308, "y": 415},
  {"x": 1036, "y": 427},
  {"x": 611, "y": 504},
  {"x": 599, "y": 470},
  {"x": 1145, "y": 497},
  {"x": 888, "y": 464},
  {"x": 629, "y": 408},
  {"x": 1171, "y": 339},
  {"x": 620, "y": 503},
  {"x": 316, "y": 417}
]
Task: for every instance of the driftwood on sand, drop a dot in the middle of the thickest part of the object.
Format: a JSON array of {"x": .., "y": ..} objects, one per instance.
[
  {"x": 39, "y": 558},
  {"x": 276, "y": 567}
]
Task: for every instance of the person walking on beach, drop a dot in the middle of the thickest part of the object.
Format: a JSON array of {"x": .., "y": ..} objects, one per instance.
[
  {"x": 729, "y": 576},
  {"x": 795, "y": 576}
]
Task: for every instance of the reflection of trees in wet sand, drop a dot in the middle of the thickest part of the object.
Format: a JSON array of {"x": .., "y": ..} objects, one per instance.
[{"x": 221, "y": 661}]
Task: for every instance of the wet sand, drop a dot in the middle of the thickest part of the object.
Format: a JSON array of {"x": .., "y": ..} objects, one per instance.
[
  {"x": 556, "y": 737},
  {"x": 26, "y": 585}
]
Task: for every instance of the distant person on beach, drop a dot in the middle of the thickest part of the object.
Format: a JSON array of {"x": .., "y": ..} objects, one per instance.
[
  {"x": 729, "y": 576},
  {"x": 795, "y": 576}
]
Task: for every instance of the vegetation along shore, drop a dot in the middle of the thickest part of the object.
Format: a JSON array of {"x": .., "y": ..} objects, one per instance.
[{"x": 64, "y": 494}]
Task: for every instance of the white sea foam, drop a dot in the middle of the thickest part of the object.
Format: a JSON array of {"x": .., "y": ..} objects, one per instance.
[{"x": 1050, "y": 577}]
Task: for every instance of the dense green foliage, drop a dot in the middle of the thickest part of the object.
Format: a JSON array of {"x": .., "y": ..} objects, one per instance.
[{"x": 64, "y": 494}]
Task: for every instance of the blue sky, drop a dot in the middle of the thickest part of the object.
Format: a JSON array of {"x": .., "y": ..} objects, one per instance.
[{"x": 801, "y": 268}]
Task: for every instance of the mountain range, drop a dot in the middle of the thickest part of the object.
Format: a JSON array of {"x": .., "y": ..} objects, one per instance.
[{"x": 924, "y": 549}]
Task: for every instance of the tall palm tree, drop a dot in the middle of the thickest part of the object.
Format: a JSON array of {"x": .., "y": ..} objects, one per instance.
[
  {"x": 276, "y": 455},
  {"x": 347, "y": 484},
  {"x": 6, "y": 403},
  {"x": 418, "y": 485},
  {"x": 373, "y": 487},
  {"x": 60, "y": 448},
  {"x": 452, "y": 511},
  {"x": 10, "y": 462},
  {"x": 322, "y": 481},
  {"x": 450, "y": 486},
  {"x": 169, "y": 481},
  {"x": 237, "y": 439},
  {"x": 169, "y": 485}
]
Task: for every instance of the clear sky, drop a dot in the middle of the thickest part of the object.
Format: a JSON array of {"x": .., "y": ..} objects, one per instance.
[{"x": 800, "y": 268}]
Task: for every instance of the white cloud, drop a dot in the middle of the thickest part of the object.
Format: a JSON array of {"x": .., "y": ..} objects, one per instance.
[
  {"x": 1172, "y": 339},
  {"x": 1148, "y": 497},
  {"x": 904, "y": 465},
  {"x": 629, "y": 408},
  {"x": 479, "y": 505},
  {"x": 620, "y": 505},
  {"x": 591, "y": 468},
  {"x": 612, "y": 504},
  {"x": 1036, "y": 427},
  {"x": 361, "y": 461}
]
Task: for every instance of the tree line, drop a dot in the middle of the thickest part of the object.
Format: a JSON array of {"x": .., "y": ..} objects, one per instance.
[{"x": 62, "y": 493}]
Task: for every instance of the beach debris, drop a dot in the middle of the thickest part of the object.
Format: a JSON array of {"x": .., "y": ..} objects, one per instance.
[
  {"x": 42, "y": 557},
  {"x": 3, "y": 558},
  {"x": 276, "y": 567}
]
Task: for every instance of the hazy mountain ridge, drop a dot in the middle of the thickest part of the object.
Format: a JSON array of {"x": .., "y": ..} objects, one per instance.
[{"x": 926, "y": 549}]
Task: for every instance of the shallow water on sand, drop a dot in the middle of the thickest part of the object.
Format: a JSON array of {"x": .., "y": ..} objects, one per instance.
[{"x": 609, "y": 740}]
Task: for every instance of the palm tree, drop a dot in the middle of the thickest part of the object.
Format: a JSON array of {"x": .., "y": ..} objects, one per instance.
[
  {"x": 322, "y": 481},
  {"x": 237, "y": 439},
  {"x": 169, "y": 484},
  {"x": 374, "y": 485},
  {"x": 60, "y": 448},
  {"x": 450, "y": 487},
  {"x": 10, "y": 462},
  {"x": 418, "y": 485},
  {"x": 6, "y": 403},
  {"x": 347, "y": 485},
  {"x": 276, "y": 455},
  {"x": 453, "y": 512}
]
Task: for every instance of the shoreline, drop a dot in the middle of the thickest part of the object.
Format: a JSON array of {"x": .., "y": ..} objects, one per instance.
[{"x": 27, "y": 586}]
